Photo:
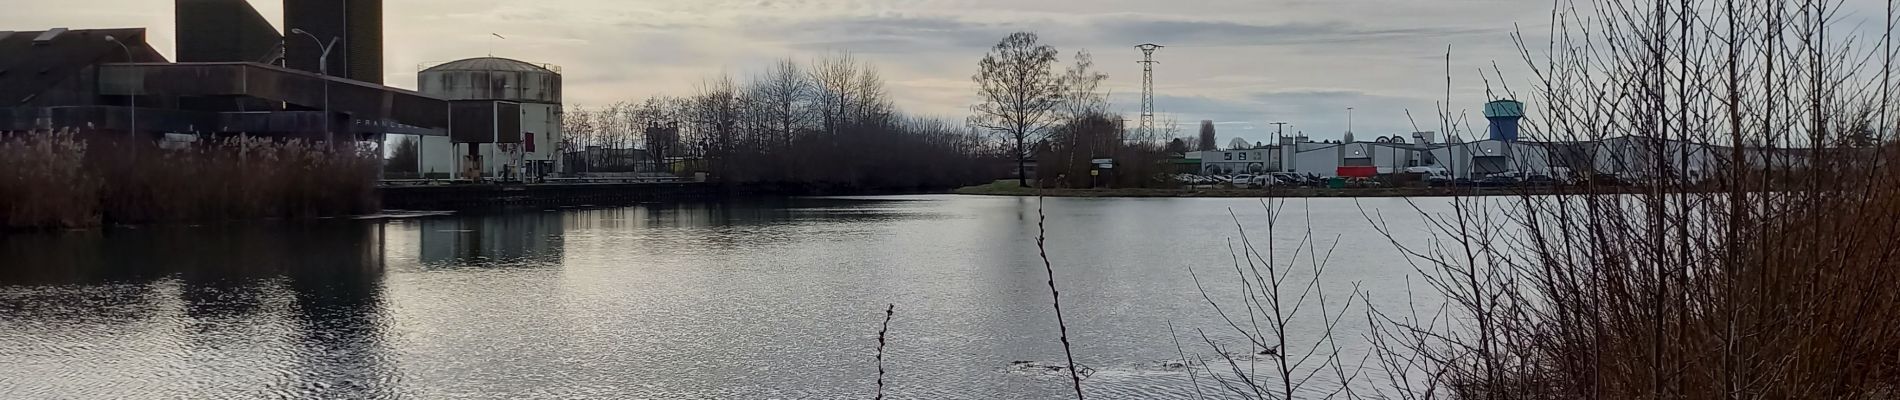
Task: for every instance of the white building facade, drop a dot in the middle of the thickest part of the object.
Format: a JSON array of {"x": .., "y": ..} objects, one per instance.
[
  {"x": 537, "y": 90},
  {"x": 1235, "y": 162},
  {"x": 1629, "y": 157}
]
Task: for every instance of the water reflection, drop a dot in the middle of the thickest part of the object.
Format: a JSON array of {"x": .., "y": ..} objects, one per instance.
[
  {"x": 491, "y": 240},
  {"x": 745, "y": 299},
  {"x": 288, "y": 311}
]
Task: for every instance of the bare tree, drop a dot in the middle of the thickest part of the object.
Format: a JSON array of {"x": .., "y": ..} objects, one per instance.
[
  {"x": 1021, "y": 93},
  {"x": 1168, "y": 127},
  {"x": 835, "y": 85},
  {"x": 716, "y": 113},
  {"x": 873, "y": 103},
  {"x": 783, "y": 90},
  {"x": 579, "y": 128},
  {"x": 1081, "y": 89},
  {"x": 827, "y": 126},
  {"x": 1177, "y": 146}
]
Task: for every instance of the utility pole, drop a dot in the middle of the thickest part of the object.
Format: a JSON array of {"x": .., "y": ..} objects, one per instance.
[
  {"x": 1148, "y": 88},
  {"x": 1279, "y": 141}
]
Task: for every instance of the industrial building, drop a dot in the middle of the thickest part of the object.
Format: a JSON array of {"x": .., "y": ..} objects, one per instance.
[
  {"x": 320, "y": 79},
  {"x": 226, "y": 30},
  {"x": 526, "y": 100},
  {"x": 1502, "y": 152}
]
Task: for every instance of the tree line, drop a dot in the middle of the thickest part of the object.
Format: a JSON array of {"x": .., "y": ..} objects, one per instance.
[
  {"x": 830, "y": 123},
  {"x": 824, "y": 124}
]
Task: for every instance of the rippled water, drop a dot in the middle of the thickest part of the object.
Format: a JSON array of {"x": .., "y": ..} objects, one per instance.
[{"x": 754, "y": 299}]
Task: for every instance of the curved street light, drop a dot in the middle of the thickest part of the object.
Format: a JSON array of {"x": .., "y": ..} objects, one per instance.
[
  {"x": 323, "y": 67},
  {"x": 132, "y": 128}
]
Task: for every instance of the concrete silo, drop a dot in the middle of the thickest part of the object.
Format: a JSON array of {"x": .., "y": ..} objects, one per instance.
[{"x": 501, "y": 85}]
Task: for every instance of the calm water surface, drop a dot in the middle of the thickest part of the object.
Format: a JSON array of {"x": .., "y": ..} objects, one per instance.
[{"x": 751, "y": 300}]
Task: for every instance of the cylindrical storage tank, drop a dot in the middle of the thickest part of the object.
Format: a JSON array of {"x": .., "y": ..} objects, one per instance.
[
  {"x": 1504, "y": 116},
  {"x": 524, "y": 100},
  {"x": 492, "y": 78}
]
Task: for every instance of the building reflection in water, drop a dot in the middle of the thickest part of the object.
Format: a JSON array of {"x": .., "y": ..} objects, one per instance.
[
  {"x": 293, "y": 311},
  {"x": 491, "y": 240}
]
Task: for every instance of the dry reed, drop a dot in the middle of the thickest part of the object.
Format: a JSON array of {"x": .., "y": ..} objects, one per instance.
[
  {"x": 1055, "y": 296},
  {"x": 1760, "y": 265},
  {"x": 883, "y": 332},
  {"x": 65, "y": 179},
  {"x": 46, "y": 183}
]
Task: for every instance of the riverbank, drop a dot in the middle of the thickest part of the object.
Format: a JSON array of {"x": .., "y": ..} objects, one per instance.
[
  {"x": 504, "y": 196},
  {"x": 1009, "y": 188}
]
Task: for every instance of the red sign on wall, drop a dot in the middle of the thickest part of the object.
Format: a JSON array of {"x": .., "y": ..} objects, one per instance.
[{"x": 1358, "y": 172}]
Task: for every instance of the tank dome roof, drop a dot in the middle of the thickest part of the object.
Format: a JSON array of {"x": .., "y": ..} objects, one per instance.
[{"x": 488, "y": 64}]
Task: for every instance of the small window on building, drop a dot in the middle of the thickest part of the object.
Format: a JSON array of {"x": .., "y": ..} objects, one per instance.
[
  {"x": 1228, "y": 156},
  {"x": 1243, "y": 156}
]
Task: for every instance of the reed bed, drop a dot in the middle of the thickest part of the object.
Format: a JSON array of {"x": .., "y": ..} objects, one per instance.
[
  {"x": 1756, "y": 257},
  {"x": 68, "y": 179},
  {"x": 1761, "y": 267}
]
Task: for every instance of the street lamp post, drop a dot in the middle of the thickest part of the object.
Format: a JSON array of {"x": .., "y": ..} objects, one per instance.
[
  {"x": 131, "y": 128},
  {"x": 323, "y": 67}
]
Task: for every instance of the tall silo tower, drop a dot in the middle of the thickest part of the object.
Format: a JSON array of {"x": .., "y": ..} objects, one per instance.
[
  {"x": 1504, "y": 116},
  {"x": 355, "y": 25},
  {"x": 494, "y": 83}
]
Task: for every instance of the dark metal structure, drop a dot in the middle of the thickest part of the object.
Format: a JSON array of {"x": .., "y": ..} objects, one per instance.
[
  {"x": 64, "y": 78},
  {"x": 357, "y": 26},
  {"x": 1147, "y": 62},
  {"x": 485, "y": 121},
  {"x": 55, "y": 67},
  {"x": 354, "y": 99},
  {"x": 225, "y": 31}
]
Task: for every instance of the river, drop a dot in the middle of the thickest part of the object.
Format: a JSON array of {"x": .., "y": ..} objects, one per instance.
[{"x": 745, "y": 299}]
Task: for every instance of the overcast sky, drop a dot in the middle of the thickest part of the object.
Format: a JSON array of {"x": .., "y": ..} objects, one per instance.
[{"x": 1241, "y": 63}]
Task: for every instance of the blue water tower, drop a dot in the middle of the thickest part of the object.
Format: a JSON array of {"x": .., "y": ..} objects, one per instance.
[{"x": 1504, "y": 116}]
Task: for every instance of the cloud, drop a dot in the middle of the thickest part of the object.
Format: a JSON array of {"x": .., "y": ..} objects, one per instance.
[
  {"x": 876, "y": 33},
  {"x": 1241, "y": 63},
  {"x": 896, "y": 33},
  {"x": 1207, "y": 32}
]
